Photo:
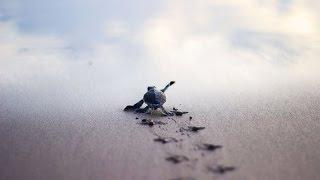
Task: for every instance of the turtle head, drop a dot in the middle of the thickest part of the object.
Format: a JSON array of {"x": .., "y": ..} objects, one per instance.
[{"x": 151, "y": 87}]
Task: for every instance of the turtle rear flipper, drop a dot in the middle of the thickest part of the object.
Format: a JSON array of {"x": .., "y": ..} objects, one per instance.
[
  {"x": 165, "y": 112},
  {"x": 142, "y": 110}
]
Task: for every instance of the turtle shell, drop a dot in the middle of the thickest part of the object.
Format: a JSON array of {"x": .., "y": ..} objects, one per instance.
[{"x": 154, "y": 98}]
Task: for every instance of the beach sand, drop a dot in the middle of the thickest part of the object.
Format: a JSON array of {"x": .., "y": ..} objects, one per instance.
[
  {"x": 265, "y": 134},
  {"x": 246, "y": 71}
]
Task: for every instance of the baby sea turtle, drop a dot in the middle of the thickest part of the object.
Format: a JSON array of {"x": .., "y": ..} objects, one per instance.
[{"x": 154, "y": 100}]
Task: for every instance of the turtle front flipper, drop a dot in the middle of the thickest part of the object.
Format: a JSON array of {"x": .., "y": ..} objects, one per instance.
[
  {"x": 167, "y": 86},
  {"x": 135, "y": 106}
]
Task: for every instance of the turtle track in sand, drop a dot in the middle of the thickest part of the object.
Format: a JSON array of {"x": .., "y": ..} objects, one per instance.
[{"x": 180, "y": 138}]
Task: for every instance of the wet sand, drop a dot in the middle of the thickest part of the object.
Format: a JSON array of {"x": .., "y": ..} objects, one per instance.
[{"x": 268, "y": 134}]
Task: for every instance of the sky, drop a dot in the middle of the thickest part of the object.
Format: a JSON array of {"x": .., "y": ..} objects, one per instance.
[{"x": 212, "y": 45}]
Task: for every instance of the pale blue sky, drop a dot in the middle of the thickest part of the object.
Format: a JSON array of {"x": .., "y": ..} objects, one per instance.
[{"x": 232, "y": 42}]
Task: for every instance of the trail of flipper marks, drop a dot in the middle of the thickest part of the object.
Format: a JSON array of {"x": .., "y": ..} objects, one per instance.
[{"x": 180, "y": 139}]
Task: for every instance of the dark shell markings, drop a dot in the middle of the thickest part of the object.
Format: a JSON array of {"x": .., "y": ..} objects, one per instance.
[{"x": 154, "y": 100}]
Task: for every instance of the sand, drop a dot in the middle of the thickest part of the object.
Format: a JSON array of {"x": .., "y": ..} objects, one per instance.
[
  {"x": 246, "y": 71},
  {"x": 267, "y": 134}
]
